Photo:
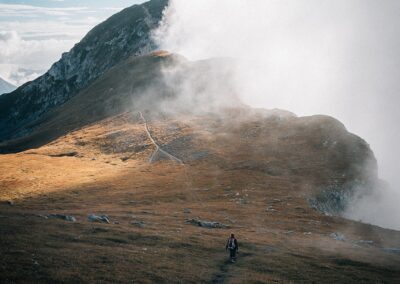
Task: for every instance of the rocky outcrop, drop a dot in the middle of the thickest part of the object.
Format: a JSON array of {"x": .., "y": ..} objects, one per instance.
[
  {"x": 98, "y": 218},
  {"x": 125, "y": 34},
  {"x": 207, "y": 224}
]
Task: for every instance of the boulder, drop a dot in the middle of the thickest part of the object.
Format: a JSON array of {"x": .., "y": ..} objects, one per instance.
[
  {"x": 62, "y": 217},
  {"x": 338, "y": 236},
  {"x": 139, "y": 224},
  {"x": 207, "y": 224},
  {"x": 99, "y": 219}
]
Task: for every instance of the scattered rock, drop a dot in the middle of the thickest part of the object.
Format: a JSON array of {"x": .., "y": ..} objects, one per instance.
[
  {"x": 65, "y": 154},
  {"x": 270, "y": 249},
  {"x": 99, "y": 230},
  {"x": 99, "y": 219},
  {"x": 139, "y": 224},
  {"x": 307, "y": 233},
  {"x": 42, "y": 216},
  {"x": 229, "y": 220},
  {"x": 77, "y": 238},
  {"x": 242, "y": 201},
  {"x": 392, "y": 250},
  {"x": 207, "y": 224},
  {"x": 365, "y": 242},
  {"x": 62, "y": 217},
  {"x": 338, "y": 236},
  {"x": 187, "y": 211},
  {"x": 10, "y": 202}
]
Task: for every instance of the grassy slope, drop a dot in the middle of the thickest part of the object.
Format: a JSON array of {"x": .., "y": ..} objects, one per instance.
[{"x": 110, "y": 174}]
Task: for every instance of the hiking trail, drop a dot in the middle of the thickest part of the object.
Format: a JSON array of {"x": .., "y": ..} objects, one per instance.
[
  {"x": 224, "y": 273},
  {"x": 158, "y": 147}
]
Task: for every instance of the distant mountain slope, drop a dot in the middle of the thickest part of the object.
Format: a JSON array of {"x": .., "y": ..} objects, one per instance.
[
  {"x": 125, "y": 34},
  {"x": 167, "y": 85},
  {"x": 138, "y": 83},
  {"x": 6, "y": 87}
]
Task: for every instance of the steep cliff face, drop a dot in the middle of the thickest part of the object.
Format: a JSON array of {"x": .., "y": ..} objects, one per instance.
[{"x": 122, "y": 35}]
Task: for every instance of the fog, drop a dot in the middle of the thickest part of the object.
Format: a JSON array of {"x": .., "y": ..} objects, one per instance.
[{"x": 336, "y": 57}]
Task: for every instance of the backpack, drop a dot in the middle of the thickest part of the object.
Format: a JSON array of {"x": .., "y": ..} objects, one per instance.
[{"x": 231, "y": 244}]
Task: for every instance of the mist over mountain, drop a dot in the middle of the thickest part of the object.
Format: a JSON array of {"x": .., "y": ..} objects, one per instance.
[
  {"x": 309, "y": 56},
  {"x": 157, "y": 82}
]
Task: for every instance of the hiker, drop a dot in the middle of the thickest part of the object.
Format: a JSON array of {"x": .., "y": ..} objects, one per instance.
[{"x": 232, "y": 245}]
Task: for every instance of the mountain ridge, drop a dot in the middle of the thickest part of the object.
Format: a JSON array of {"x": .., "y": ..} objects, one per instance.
[
  {"x": 124, "y": 34},
  {"x": 138, "y": 82}
]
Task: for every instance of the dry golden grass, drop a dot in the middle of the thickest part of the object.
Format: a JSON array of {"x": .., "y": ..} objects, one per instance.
[{"x": 103, "y": 169}]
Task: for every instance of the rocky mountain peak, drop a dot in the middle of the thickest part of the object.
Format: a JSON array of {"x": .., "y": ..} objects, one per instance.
[{"x": 124, "y": 34}]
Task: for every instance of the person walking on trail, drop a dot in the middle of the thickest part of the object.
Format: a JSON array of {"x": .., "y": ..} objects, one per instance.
[{"x": 233, "y": 246}]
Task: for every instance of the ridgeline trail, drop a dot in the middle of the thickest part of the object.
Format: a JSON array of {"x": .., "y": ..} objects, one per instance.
[
  {"x": 158, "y": 148},
  {"x": 188, "y": 179}
]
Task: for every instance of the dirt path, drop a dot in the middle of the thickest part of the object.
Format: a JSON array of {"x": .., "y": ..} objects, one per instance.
[
  {"x": 171, "y": 157},
  {"x": 158, "y": 148},
  {"x": 223, "y": 275}
]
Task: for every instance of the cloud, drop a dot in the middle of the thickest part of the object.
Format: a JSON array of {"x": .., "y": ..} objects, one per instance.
[
  {"x": 29, "y": 10},
  {"x": 17, "y": 75},
  {"x": 28, "y": 54},
  {"x": 33, "y": 38},
  {"x": 308, "y": 56}
]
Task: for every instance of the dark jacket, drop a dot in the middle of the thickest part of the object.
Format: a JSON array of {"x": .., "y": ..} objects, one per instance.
[{"x": 235, "y": 244}]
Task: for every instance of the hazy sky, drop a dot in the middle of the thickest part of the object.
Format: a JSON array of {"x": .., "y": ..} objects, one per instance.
[{"x": 34, "y": 33}]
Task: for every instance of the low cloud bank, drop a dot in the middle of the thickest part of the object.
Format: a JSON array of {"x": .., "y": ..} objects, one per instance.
[
  {"x": 310, "y": 57},
  {"x": 32, "y": 38}
]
